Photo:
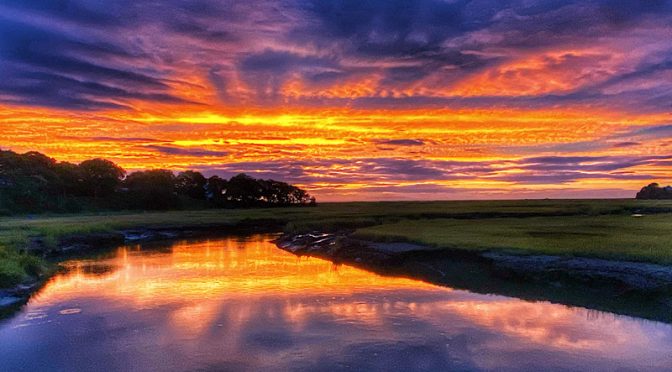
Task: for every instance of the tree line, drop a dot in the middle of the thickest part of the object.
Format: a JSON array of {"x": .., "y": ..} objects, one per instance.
[
  {"x": 654, "y": 191},
  {"x": 34, "y": 183}
]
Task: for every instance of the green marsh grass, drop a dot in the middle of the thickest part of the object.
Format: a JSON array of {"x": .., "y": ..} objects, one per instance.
[{"x": 622, "y": 237}]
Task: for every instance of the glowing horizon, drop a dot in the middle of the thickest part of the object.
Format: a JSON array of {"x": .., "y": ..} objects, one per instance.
[{"x": 381, "y": 100}]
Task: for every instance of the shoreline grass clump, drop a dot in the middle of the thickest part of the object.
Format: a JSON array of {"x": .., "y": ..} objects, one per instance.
[{"x": 16, "y": 267}]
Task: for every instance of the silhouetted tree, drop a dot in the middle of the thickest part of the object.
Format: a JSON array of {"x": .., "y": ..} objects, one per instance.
[
  {"x": 27, "y": 181},
  {"x": 33, "y": 182},
  {"x": 100, "y": 177},
  {"x": 191, "y": 184},
  {"x": 243, "y": 190},
  {"x": 152, "y": 189},
  {"x": 283, "y": 194},
  {"x": 654, "y": 191},
  {"x": 70, "y": 178},
  {"x": 215, "y": 190}
]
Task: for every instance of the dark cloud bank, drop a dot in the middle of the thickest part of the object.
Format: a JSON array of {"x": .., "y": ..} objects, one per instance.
[{"x": 89, "y": 55}]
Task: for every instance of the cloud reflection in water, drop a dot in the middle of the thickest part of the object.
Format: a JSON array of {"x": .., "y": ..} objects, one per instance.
[{"x": 244, "y": 304}]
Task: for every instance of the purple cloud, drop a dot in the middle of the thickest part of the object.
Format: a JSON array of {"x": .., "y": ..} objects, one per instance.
[
  {"x": 88, "y": 56},
  {"x": 186, "y": 151},
  {"x": 401, "y": 142},
  {"x": 535, "y": 170}
]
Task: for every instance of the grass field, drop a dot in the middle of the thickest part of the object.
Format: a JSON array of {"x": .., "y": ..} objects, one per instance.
[
  {"x": 602, "y": 228},
  {"x": 647, "y": 238}
]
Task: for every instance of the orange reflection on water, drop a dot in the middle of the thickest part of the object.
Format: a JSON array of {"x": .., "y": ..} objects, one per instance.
[
  {"x": 244, "y": 300},
  {"x": 211, "y": 269},
  {"x": 198, "y": 276}
]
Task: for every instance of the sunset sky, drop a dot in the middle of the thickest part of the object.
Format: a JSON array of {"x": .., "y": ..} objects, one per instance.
[{"x": 352, "y": 100}]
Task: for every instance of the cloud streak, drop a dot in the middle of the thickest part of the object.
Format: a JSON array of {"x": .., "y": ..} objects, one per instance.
[
  {"x": 193, "y": 152},
  {"x": 526, "y": 171}
]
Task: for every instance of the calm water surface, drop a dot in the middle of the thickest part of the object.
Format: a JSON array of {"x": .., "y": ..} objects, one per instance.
[{"x": 242, "y": 304}]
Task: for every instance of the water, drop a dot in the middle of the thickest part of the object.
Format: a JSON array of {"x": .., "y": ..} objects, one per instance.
[{"x": 242, "y": 304}]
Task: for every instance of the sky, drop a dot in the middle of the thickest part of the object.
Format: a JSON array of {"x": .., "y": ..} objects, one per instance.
[{"x": 352, "y": 100}]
